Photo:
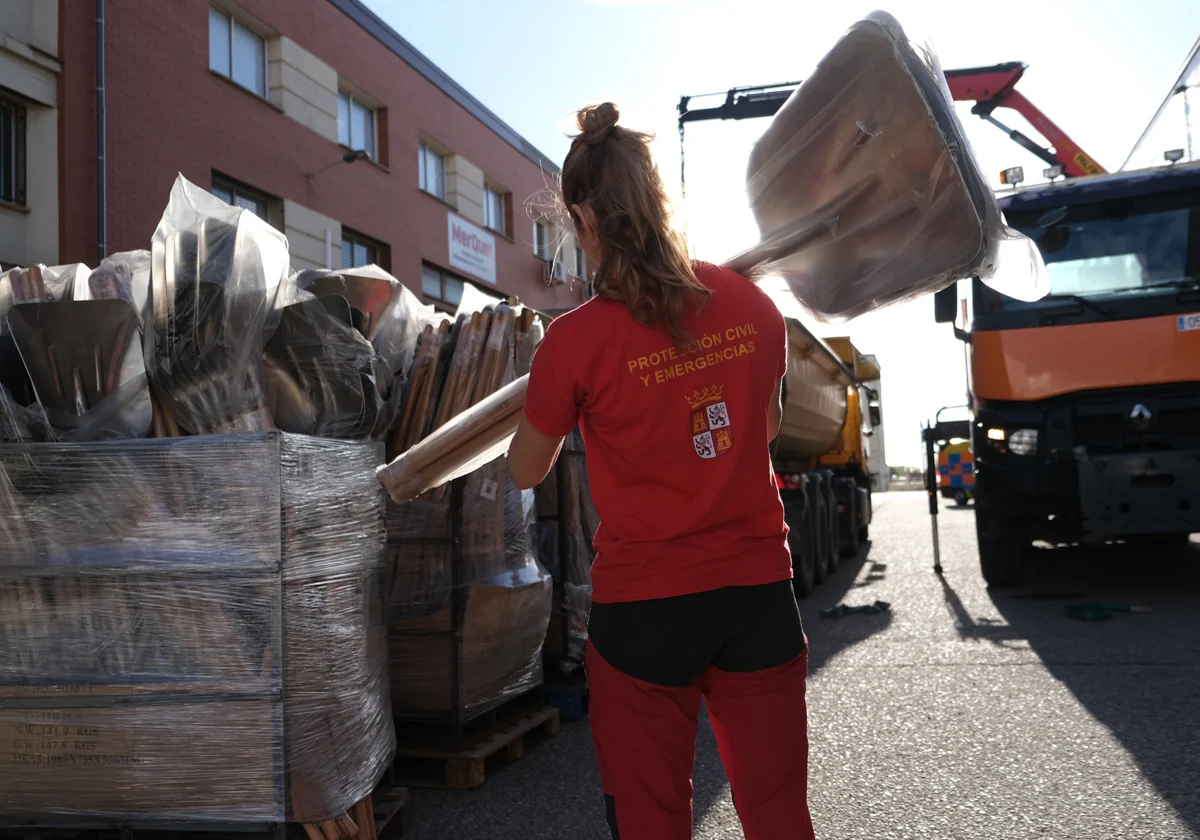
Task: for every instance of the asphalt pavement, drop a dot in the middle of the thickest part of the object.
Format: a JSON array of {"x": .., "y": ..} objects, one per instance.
[{"x": 962, "y": 713}]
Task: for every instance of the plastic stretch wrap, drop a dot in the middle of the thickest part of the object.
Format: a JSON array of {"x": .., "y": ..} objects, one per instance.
[
  {"x": 388, "y": 316},
  {"x": 567, "y": 523},
  {"x": 219, "y": 279},
  {"x": 866, "y": 192},
  {"x": 124, "y": 276},
  {"x": 323, "y": 377},
  {"x": 191, "y": 629},
  {"x": 491, "y": 588}
]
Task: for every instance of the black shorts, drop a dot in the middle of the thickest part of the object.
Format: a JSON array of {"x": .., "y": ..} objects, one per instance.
[{"x": 670, "y": 641}]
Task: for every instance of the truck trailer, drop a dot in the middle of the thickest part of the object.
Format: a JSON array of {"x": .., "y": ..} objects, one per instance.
[{"x": 822, "y": 456}]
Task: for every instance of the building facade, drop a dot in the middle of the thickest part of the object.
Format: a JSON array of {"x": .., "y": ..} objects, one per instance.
[{"x": 313, "y": 114}]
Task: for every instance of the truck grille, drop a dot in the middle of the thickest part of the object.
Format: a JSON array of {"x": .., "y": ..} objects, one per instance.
[{"x": 1106, "y": 424}]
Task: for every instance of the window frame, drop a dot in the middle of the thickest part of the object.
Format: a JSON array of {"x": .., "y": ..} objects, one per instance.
[
  {"x": 442, "y": 303},
  {"x": 232, "y": 23},
  {"x": 16, "y": 141},
  {"x": 351, "y": 101},
  {"x": 500, "y": 211},
  {"x": 541, "y": 240},
  {"x": 581, "y": 265},
  {"x": 272, "y": 206},
  {"x": 353, "y": 237},
  {"x": 424, "y": 149}
]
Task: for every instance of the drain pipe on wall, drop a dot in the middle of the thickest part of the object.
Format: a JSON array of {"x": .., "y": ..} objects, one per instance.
[{"x": 101, "y": 146}]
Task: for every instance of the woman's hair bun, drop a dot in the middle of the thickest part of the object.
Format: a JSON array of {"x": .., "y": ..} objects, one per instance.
[{"x": 596, "y": 122}]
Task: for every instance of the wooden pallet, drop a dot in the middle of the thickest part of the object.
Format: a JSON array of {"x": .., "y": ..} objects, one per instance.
[
  {"x": 390, "y": 811},
  {"x": 429, "y": 757},
  {"x": 386, "y": 822}
]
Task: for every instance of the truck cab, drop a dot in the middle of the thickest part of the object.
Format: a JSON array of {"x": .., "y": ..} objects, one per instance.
[{"x": 1086, "y": 403}]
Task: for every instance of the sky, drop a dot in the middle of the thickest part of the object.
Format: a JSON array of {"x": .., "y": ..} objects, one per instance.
[{"x": 1098, "y": 68}]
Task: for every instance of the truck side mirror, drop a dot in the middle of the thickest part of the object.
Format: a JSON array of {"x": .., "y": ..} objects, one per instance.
[
  {"x": 945, "y": 304},
  {"x": 876, "y": 419}
]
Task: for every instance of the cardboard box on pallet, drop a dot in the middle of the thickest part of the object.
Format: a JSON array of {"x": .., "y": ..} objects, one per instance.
[{"x": 191, "y": 629}]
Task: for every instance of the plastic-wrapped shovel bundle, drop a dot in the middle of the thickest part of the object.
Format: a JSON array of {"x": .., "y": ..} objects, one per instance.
[
  {"x": 71, "y": 347},
  {"x": 220, "y": 277},
  {"x": 488, "y": 596},
  {"x": 865, "y": 190}
]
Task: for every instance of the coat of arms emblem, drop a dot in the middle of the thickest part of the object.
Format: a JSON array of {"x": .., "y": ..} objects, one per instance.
[{"x": 712, "y": 435}]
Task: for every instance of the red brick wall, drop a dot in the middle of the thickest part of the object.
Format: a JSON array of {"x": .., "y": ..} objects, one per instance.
[{"x": 167, "y": 113}]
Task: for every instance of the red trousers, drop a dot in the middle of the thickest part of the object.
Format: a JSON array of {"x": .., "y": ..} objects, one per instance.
[{"x": 645, "y": 737}]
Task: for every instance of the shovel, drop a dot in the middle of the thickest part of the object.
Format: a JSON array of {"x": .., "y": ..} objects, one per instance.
[{"x": 85, "y": 361}]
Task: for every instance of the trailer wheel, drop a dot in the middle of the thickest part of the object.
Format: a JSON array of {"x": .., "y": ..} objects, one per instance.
[
  {"x": 832, "y": 551},
  {"x": 1004, "y": 548},
  {"x": 820, "y": 533},
  {"x": 800, "y": 542},
  {"x": 848, "y": 521}
]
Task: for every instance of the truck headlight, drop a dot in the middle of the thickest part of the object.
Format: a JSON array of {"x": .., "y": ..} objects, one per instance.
[{"x": 1023, "y": 441}]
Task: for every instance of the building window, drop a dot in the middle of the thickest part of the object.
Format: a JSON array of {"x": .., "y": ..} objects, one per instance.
[
  {"x": 443, "y": 290},
  {"x": 356, "y": 124},
  {"x": 541, "y": 241},
  {"x": 580, "y": 263},
  {"x": 432, "y": 172},
  {"x": 358, "y": 250},
  {"x": 12, "y": 152},
  {"x": 267, "y": 208},
  {"x": 494, "y": 205},
  {"x": 236, "y": 52}
]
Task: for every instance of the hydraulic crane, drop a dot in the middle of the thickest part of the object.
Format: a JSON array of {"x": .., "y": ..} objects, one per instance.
[{"x": 990, "y": 88}]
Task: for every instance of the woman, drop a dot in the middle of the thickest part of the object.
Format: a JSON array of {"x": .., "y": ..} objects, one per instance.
[{"x": 674, "y": 372}]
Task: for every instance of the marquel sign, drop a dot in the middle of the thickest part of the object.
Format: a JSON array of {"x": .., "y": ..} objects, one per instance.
[{"x": 472, "y": 249}]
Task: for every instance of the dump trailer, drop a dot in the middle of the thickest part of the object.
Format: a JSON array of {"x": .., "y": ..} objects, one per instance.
[{"x": 821, "y": 455}]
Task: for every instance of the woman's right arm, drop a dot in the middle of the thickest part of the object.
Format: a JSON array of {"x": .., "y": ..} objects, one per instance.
[
  {"x": 551, "y": 411},
  {"x": 775, "y": 412}
]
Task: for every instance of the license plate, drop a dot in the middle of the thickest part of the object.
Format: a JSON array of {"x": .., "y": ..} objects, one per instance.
[{"x": 1188, "y": 322}]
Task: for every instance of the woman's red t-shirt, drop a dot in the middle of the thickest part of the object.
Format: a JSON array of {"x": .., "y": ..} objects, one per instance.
[{"x": 677, "y": 448}]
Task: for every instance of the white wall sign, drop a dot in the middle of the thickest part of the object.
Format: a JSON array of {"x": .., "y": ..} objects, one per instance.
[{"x": 472, "y": 249}]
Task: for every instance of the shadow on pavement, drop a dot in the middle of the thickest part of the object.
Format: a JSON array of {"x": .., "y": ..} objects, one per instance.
[
  {"x": 1137, "y": 674},
  {"x": 826, "y": 639}
]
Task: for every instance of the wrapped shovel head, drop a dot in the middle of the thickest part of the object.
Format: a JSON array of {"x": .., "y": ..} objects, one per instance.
[
  {"x": 864, "y": 188},
  {"x": 85, "y": 361}
]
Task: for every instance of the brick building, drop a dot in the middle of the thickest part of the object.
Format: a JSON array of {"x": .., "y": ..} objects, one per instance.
[{"x": 264, "y": 102}]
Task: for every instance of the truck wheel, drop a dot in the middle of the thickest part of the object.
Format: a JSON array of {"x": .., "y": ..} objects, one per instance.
[
  {"x": 800, "y": 543},
  {"x": 1004, "y": 548},
  {"x": 960, "y": 497}
]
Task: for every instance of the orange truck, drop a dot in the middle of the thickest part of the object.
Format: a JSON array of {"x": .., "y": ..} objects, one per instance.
[{"x": 1086, "y": 404}]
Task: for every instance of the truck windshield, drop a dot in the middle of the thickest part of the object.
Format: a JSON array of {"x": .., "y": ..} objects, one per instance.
[{"x": 1116, "y": 246}]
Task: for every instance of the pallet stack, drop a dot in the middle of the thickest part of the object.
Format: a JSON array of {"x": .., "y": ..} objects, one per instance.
[
  {"x": 192, "y": 622},
  {"x": 190, "y": 629},
  {"x": 469, "y": 601}
]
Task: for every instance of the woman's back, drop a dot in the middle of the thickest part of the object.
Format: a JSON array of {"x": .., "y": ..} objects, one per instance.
[{"x": 678, "y": 449}]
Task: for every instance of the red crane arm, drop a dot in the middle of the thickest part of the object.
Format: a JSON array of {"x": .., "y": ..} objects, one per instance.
[{"x": 995, "y": 87}]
